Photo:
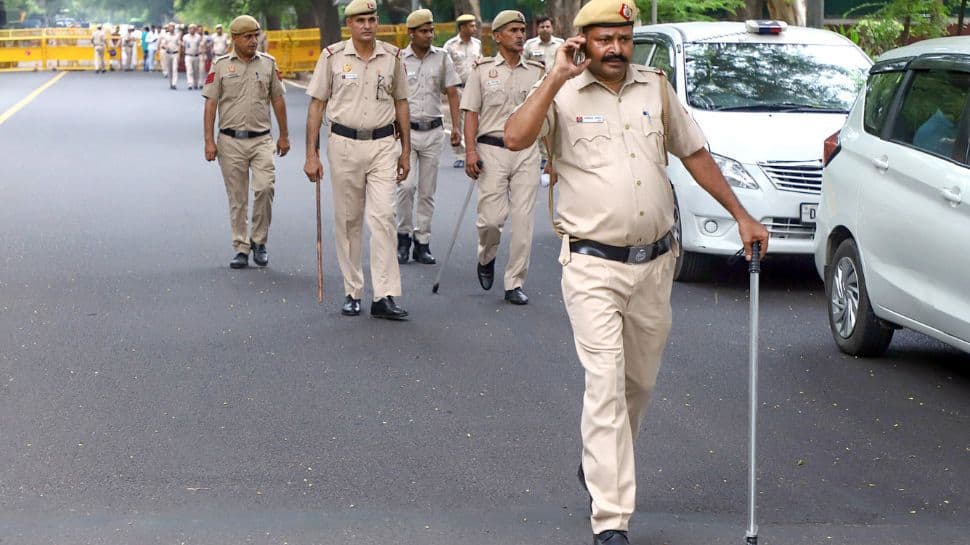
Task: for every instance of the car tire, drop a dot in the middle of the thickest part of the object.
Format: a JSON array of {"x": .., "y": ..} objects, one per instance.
[
  {"x": 690, "y": 266},
  {"x": 856, "y": 329}
]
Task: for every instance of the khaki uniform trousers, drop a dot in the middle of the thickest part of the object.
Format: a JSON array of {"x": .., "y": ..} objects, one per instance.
[
  {"x": 423, "y": 180},
  {"x": 620, "y": 315},
  {"x": 173, "y": 67},
  {"x": 364, "y": 180},
  {"x": 163, "y": 59},
  {"x": 237, "y": 157},
  {"x": 459, "y": 150},
  {"x": 193, "y": 69},
  {"x": 507, "y": 189},
  {"x": 99, "y": 57}
]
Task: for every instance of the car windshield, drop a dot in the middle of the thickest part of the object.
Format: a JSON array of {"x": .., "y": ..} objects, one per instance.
[{"x": 774, "y": 77}]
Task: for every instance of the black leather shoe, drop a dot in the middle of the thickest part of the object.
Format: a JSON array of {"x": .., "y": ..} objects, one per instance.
[
  {"x": 582, "y": 480},
  {"x": 422, "y": 254},
  {"x": 241, "y": 261},
  {"x": 516, "y": 297},
  {"x": 260, "y": 255},
  {"x": 386, "y": 308},
  {"x": 351, "y": 307},
  {"x": 611, "y": 537},
  {"x": 486, "y": 275},
  {"x": 403, "y": 247}
]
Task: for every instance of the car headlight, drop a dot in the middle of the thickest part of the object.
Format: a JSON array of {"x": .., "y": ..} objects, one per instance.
[{"x": 734, "y": 173}]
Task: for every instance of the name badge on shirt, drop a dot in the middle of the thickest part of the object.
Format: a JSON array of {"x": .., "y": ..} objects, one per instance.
[
  {"x": 231, "y": 75},
  {"x": 493, "y": 83},
  {"x": 348, "y": 76},
  {"x": 590, "y": 119}
]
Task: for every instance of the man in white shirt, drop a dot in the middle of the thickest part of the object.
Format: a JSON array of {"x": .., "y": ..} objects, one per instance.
[
  {"x": 465, "y": 50},
  {"x": 192, "y": 45},
  {"x": 543, "y": 47}
]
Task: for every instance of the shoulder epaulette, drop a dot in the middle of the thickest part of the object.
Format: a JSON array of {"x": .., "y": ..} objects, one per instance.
[
  {"x": 483, "y": 60},
  {"x": 536, "y": 64},
  {"x": 650, "y": 69},
  {"x": 333, "y": 49},
  {"x": 267, "y": 55},
  {"x": 220, "y": 58},
  {"x": 392, "y": 49}
]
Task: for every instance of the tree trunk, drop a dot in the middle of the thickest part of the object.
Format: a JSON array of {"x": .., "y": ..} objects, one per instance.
[
  {"x": 753, "y": 9},
  {"x": 306, "y": 18},
  {"x": 563, "y": 12},
  {"x": 907, "y": 24},
  {"x": 273, "y": 21},
  {"x": 963, "y": 10},
  {"x": 469, "y": 6},
  {"x": 790, "y": 11},
  {"x": 326, "y": 16}
]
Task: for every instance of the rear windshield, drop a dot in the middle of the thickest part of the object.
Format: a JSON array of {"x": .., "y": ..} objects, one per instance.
[{"x": 774, "y": 77}]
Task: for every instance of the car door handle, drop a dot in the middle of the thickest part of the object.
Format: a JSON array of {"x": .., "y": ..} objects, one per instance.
[
  {"x": 881, "y": 163},
  {"x": 952, "y": 194}
]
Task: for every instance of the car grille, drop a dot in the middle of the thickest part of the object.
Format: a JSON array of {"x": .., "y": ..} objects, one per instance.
[
  {"x": 797, "y": 176},
  {"x": 790, "y": 228}
]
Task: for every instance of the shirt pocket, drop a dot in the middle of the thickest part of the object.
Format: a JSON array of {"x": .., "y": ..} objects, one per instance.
[
  {"x": 590, "y": 144},
  {"x": 494, "y": 96},
  {"x": 653, "y": 137},
  {"x": 232, "y": 86}
]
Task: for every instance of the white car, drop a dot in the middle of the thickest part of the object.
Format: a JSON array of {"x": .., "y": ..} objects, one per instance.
[
  {"x": 893, "y": 231},
  {"x": 765, "y": 96}
]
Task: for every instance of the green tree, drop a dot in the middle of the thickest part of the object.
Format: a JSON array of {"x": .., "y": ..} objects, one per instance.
[
  {"x": 671, "y": 11},
  {"x": 898, "y": 22}
]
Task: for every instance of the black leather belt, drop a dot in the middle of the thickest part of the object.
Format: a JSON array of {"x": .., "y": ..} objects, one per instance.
[
  {"x": 624, "y": 254},
  {"x": 190, "y": 55},
  {"x": 460, "y": 86},
  {"x": 426, "y": 125},
  {"x": 491, "y": 140},
  {"x": 243, "y": 134},
  {"x": 362, "y": 134}
]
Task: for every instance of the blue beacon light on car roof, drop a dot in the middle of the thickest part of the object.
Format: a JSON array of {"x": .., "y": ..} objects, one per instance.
[{"x": 765, "y": 26}]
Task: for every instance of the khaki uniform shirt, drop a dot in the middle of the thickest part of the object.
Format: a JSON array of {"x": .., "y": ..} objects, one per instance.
[
  {"x": 169, "y": 42},
  {"x": 537, "y": 50},
  {"x": 464, "y": 54},
  {"x": 191, "y": 42},
  {"x": 98, "y": 38},
  {"x": 220, "y": 44},
  {"x": 495, "y": 88},
  {"x": 360, "y": 94},
  {"x": 243, "y": 91},
  {"x": 609, "y": 153},
  {"x": 427, "y": 79}
]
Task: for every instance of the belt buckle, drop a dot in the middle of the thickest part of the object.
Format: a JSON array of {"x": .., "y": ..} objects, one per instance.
[
  {"x": 242, "y": 134},
  {"x": 639, "y": 254},
  {"x": 365, "y": 134}
]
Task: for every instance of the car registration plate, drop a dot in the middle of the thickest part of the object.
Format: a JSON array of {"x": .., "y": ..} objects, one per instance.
[{"x": 809, "y": 211}]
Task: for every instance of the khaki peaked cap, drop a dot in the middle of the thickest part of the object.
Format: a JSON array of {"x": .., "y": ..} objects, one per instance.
[
  {"x": 419, "y": 17},
  {"x": 606, "y": 13},
  {"x": 360, "y": 7},
  {"x": 505, "y": 17},
  {"x": 243, "y": 24}
]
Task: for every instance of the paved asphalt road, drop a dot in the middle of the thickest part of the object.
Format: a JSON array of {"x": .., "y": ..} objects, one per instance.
[{"x": 148, "y": 394}]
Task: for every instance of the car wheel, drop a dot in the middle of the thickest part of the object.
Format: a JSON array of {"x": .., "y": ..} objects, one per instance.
[
  {"x": 856, "y": 330},
  {"x": 690, "y": 266}
]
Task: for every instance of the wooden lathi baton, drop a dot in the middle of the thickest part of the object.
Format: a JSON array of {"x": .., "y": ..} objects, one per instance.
[{"x": 319, "y": 250}]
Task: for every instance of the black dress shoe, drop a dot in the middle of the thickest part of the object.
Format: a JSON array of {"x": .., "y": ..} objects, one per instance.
[
  {"x": 516, "y": 297},
  {"x": 386, "y": 308},
  {"x": 422, "y": 254},
  {"x": 486, "y": 275},
  {"x": 403, "y": 247},
  {"x": 241, "y": 261},
  {"x": 611, "y": 537},
  {"x": 351, "y": 307},
  {"x": 582, "y": 480},
  {"x": 260, "y": 255}
]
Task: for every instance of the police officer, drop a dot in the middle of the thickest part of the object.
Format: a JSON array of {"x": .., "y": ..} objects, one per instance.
[
  {"x": 465, "y": 50},
  {"x": 242, "y": 86},
  {"x": 361, "y": 84},
  {"x": 543, "y": 47},
  {"x": 169, "y": 46},
  {"x": 220, "y": 42},
  {"x": 507, "y": 179},
  {"x": 98, "y": 39},
  {"x": 430, "y": 72},
  {"x": 192, "y": 46},
  {"x": 610, "y": 126}
]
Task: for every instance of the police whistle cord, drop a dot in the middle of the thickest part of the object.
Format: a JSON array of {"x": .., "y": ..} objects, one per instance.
[
  {"x": 754, "y": 268},
  {"x": 454, "y": 236}
]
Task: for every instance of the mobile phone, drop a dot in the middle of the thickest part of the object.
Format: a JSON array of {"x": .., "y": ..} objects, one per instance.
[{"x": 579, "y": 56}]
